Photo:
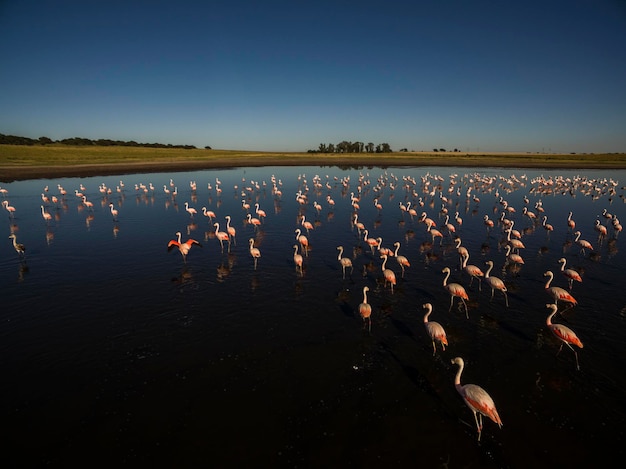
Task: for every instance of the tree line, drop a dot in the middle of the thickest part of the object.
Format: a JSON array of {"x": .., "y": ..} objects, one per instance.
[
  {"x": 352, "y": 147},
  {"x": 17, "y": 140}
]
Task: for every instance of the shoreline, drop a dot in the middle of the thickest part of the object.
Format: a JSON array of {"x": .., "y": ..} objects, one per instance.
[{"x": 17, "y": 172}]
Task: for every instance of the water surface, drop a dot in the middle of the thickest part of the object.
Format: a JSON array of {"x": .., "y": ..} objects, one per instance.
[{"x": 116, "y": 350}]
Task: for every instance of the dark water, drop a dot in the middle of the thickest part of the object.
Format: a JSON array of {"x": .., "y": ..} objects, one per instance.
[{"x": 115, "y": 351}]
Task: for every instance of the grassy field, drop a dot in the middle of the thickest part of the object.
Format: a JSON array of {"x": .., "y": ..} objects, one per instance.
[{"x": 24, "y": 162}]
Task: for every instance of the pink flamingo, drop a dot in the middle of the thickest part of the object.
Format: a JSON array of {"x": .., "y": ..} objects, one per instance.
[
  {"x": 583, "y": 243},
  {"x": 473, "y": 271},
  {"x": 9, "y": 208},
  {"x": 303, "y": 240},
  {"x": 402, "y": 260},
  {"x": 254, "y": 252},
  {"x": 563, "y": 333},
  {"x": 370, "y": 241},
  {"x": 183, "y": 248},
  {"x": 570, "y": 274},
  {"x": 476, "y": 398},
  {"x": 297, "y": 259},
  {"x": 434, "y": 329},
  {"x": 390, "y": 276},
  {"x": 190, "y": 210},
  {"x": 495, "y": 283},
  {"x": 558, "y": 293},
  {"x": 230, "y": 229},
  {"x": 222, "y": 236},
  {"x": 46, "y": 216},
  {"x": 345, "y": 262},
  {"x": 455, "y": 290},
  {"x": 365, "y": 310}
]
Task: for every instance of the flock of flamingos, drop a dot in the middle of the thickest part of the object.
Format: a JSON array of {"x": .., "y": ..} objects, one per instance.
[{"x": 421, "y": 196}]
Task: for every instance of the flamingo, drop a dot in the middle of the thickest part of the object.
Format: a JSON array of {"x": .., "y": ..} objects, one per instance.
[
  {"x": 260, "y": 212},
  {"x": 114, "y": 211},
  {"x": 558, "y": 293},
  {"x": 455, "y": 290},
  {"x": 488, "y": 223},
  {"x": 570, "y": 274},
  {"x": 473, "y": 271},
  {"x": 563, "y": 333},
  {"x": 297, "y": 259},
  {"x": 571, "y": 224},
  {"x": 512, "y": 258},
  {"x": 210, "y": 214},
  {"x": 402, "y": 260},
  {"x": 19, "y": 247},
  {"x": 390, "y": 276},
  {"x": 190, "y": 210},
  {"x": 183, "y": 248},
  {"x": 515, "y": 243},
  {"x": 254, "y": 252},
  {"x": 583, "y": 243},
  {"x": 547, "y": 226},
  {"x": 345, "y": 262},
  {"x": 462, "y": 250},
  {"x": 476, "y": 398},
  {"x": 87, "y": 203},
  {"x": 495, "y": 283},
  {"x": 365, "y": 309},
  {"x": 370, "y": 241},
  {"x": 434, "y": 329},
  {"x": 9, "y": 208},
  {"x": 303, "y": 240},
  {"x": 230, "y": 229},
  {"x": 359, "y": 225},
  {"x": 435, "y": 233},
  {"x": 222, "y": 236},
  {"x": 307, "y": 224},
  {"x": 601, "y": 229},
  {"x": 253, "y": 221},
  {"x": 46, "y": 216}
]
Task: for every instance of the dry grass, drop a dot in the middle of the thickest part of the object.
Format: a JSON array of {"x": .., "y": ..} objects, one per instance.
[{"x": 24, "y": 162}]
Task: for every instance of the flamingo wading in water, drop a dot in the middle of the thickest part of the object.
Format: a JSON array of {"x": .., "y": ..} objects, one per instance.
[
  {"x": 495, "y": 283},
  {"x": 390, "y": 276},
  {"x": 19, "y": 247},
  {"x": 563, "y": 333},
  {"x": 455, "y": 290},
  {"x": 346, "y": 262},
  {"x": 434, "y": 329},
  {"x": 254, "y": 252},
  {"x": 476, "y": 398},
  {"x": 365, "y": 310},
  {"x": 558, "y": 293},
  {"x": 183, "y": 248}
]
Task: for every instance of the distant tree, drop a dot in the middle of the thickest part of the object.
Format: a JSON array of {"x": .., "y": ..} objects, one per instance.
[
  {"x": 442, "y": 149},
  {"x": 434, "y": 149},
  {"x": 45, "y": 140},
  {"x": 386, "y": 148},
  {"x": 369, "y": 147},
  {"x": 331, "y": 148},
  {"x": 322, "y": 148},
  {"x": 208, "y": 148}
]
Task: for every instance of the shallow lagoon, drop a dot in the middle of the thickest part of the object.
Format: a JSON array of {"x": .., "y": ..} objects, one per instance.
[{"x": 116, "y": 350}]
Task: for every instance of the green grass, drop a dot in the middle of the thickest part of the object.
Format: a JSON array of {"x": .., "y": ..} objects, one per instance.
[{"x": 16, "y": 157}]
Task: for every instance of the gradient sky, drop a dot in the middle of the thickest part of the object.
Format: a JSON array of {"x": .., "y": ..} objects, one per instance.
[{"x": 546, "y": 75}]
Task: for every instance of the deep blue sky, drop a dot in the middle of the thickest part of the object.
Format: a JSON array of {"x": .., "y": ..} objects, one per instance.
[{"x": 534, "y": 75}]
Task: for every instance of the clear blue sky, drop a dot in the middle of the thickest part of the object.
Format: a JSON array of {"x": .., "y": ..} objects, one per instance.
[{"x": 532, "y": 75}]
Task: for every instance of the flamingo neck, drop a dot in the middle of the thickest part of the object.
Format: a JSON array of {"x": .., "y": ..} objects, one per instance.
[
  {"x": 445, "y": 280},
  {"x": 490, "y": 264},
  {"x": 550, "y": 276},
  {"x": 457, "y": 378},
  {"x": 549, "y": 318}
]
